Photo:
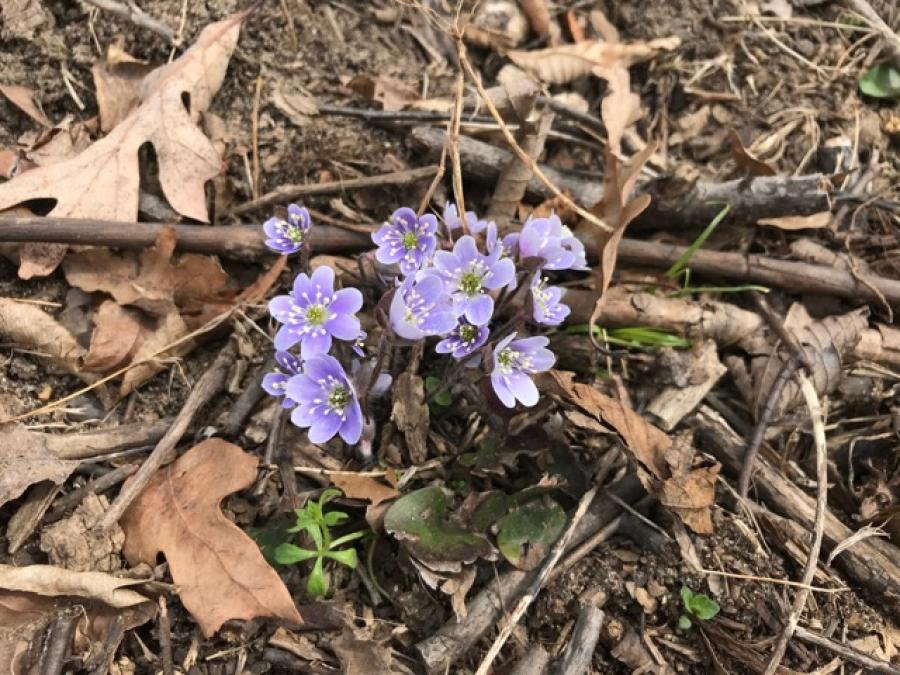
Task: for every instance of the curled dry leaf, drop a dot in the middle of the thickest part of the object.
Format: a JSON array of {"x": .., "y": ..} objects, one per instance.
[
  {"x": 219, "y": 570},
  {"x": 55, "y": 581},
  {"x": 359, "y": 486},
  {"x": 826, "y": 343},
  {"x": 116, "y": 335},
  {"x": 32, "y": 328},
  {"x": 25, "y": 459},
  {"x": 815, "y": 221},
  {"x": 754, "y": 166},
  {"x": 117, "y": 79},
  {"x": 23, "y": 99},
  {"x": 497, "y": 23},
  {"x": 103, "y": 181}
]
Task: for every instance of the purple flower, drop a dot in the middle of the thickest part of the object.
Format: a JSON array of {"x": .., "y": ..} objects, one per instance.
[
  {"x": 421, "y": 306},
  {"x": 545, "y": 301},
  {"x": 514, "y": 363},
  {"x": 288, "y": 236},
  {"x": 573, "y": 244},
  {"x": 452, "y": 219},
  {"x": 275, "y": 383},
  {"x": 407, "y": 239},
  {"x": 314, "y": 313},
  {"x": 359, "y": 344},
  {"x": 468, "y": 275},
  {"x": 543, "y": 238},
  {"x": 463, "y": 340},
  {"x": 326, "y": 401}
]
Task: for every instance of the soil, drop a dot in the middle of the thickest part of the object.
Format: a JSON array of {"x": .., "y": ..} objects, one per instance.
[{"x": 760, "y": 81}]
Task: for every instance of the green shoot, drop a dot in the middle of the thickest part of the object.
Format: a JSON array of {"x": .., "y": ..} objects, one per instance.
[
  {"x": 689, "y": 290},
  {"x": 696, "y": 605},
  {"x": 313, "y": 520},
  {"x": 432, "y": 384},
  {"x": 679, "y": 265},
  {"x": 636, "y": 337}
]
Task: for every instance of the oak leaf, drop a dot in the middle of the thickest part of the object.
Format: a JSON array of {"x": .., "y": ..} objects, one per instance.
[
  {"x": 25, "y": 459},
  {"x": 103, "y": 181},
  {"x": 220, "y": 572}
]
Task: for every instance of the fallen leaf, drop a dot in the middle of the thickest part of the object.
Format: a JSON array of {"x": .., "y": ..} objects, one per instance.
[
  {"x": 357, "y": 486},
  {"x": 420, "y": 521},
  {"x": 525, "y": 534},
  {"x": 103, "y": 181},
  {"x": 538, "y": 15},
  {"x": 162, "y": 333},
  {"x": 23, "y": 99},
  {"x": 25, "y": 460},
  {"x": 55, "y": 581},
  {"x": 742, "y": 156},
  {"x": 497, "y": 23},
  {"x": 690, "y": 495},
  {"x": 30, "y": 327},
  {"x": 117, "y": 80},
  {"x": 219, "y": 570},
  {"x": 391, "y": 93},
  {"x": 116, "y": 336},
  {"x": 361, "y": 656},
  {"x": 297, "y": 107},
  {"x": 812, "y": 222},
  {"x": 410, "y": 413}
]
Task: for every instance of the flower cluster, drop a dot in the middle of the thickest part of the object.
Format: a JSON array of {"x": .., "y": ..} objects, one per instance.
[{"x": 454, "y": 291}]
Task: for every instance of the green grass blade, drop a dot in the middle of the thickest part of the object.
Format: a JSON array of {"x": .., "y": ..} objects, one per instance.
[{"x": 683, "y": 259}]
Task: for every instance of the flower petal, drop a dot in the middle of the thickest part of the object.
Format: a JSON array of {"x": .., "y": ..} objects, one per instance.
[
  {"x": 343, "y": 327},
  {"x": 322, "y": 281},
  {"x": 479, "y": 309},
  {"x": 346, "y": 301},
  {"x": 323, "y": 366},
  {"x": 286, "y": 337},
  {"x": 465, "y": 249},
  {"x": 502, "y": 390},
  {"x": 502, "y": 272},
  {"x": 351, "y": 429},
  {"x": 523, "y": 388},
  {"x": 281, "y": 306},
  {"x": 325, "y": 427},
  {"x": 318, "y": 342},
  {"x": 274, "y": 383}
]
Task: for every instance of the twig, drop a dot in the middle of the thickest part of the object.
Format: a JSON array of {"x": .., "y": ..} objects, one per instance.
[
  {"x": 96, "y": 486},
  {"x": 286, "y": 193},
  {"x": 777, "y": 325},
  {"x": 210, "y": 384},
  {"x": 537, "y": 583},
  {"x": 137, "y": 16},
  {"x": 879, "y": 24},
  {"x": 110, "y": 644},
  {"x": 818, "y": 424},
  {"x": 248, "y": 398},
  {"x": 452, "y": 144},
  {"x": 59, "y": 644},
  {"x": 533, "y": 663},
  {"x": 165, "y": 637},
  {"x": 772, "y": 580},
  {"x": 522, "y": 155},
  {"x": 576, "y": 659},
  {"x": 870, "y": 663},
  {"x": 254, "y": 139},
  {"x": 788, "y": 368}
]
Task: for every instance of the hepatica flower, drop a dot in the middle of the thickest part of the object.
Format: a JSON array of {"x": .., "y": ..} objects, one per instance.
[
  {"x": 463, "y": 340},
  {"x": 314, "y": 313},
  {"x": 288, "y": 236},
  {"x": 545, "y": 301},
  {"x": 515, "y": 361},
  {"x": 469, "y": 275},
  {"x": 407, "y": 239},
  {"x": 276, "y": 383},
  {"x": 326, "y": 401},
  {"x": 421, "y": 306},
  {"x": 454, "y": 222},
  {"x": 543, "y": 238}
]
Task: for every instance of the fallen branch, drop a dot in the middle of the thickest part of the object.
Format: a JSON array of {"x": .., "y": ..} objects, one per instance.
[
  {"x": 871, "y": 664},
  {"x": 871, "y": 563},
  {"x": 212, "y": 382},
  {"x": 533, "y": 663},
  {"x": 287, "y": 193},
  {"x": 455, "y": 639},
  {"x": 131, "y": 12},
  {"x": 576, "y": 659},
  {"x": 102, "y": 442}
]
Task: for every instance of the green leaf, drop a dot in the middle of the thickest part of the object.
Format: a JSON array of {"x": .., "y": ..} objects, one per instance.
[
  {"x": 288, "y": 554},
  {"x": 684, "y": 623},
  {"x": 333, "y": 518},
  {"x": 317, "y": 584},
  {"x": 420, "y": 520},
  {"x": 316, "y": 533},
  {"x": 685, "y": 257},
  {"x": 346, "y": 557},
  {"x": 704, "y": 607},
  {"x": 353, "y": 536},
  {"x": 492, "y": 508},
  {"x": 687, "y": 595},
  {"x": 304, "y": 520},
  {"x": 328, "y": 495},
  {"x": 881, "y": 81},
  {"x": 525, "y": 534},
  {"x": 269, "y": 536},
  {"x": 433, "y": 383}
]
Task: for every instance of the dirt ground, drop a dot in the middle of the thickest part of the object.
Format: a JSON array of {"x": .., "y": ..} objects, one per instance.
[{"x": 788, "y": 89}]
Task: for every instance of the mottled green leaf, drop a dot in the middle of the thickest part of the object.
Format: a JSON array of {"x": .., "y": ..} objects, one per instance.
[
  {"x": 492, "y": 508},
  {"x": 525, "y": 534},
  {"x": 881, "y": 81},
  {"x": 420, "y": 521}
]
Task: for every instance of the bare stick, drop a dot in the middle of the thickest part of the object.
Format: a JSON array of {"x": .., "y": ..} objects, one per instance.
[
  {"x": 95, "y": 486},
  {"x": 453, "y": 151},
  {"x": 812, "y": 561},
  {"x": 879, "y": 24},
  {"x": 59, "y": 644},
  {"x": 131, "y": 12},
  {"x": 520, "y": 153},
  {"x": 165, "y": 637},
  {"x": 537, "y": 583},
  {"x": 533, "y": 663},
  {"x": 576, "y": 659},
  {"x": 286, "y": 193},
  {"x": 211, "y": 383},
  {"x": 871, "y": 664}
]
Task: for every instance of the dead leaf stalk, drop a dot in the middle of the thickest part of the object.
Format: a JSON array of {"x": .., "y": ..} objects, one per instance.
[
  {"x": 210, "y": 384},
  {"x": 818, "y": 423},
  {"x": 254, "y": 133},
  {"x": 131, "y": 12}
]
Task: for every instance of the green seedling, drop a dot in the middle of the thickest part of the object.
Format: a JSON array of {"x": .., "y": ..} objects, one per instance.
[
  {"x": 881, "y": 81},
  {"x": 696, "y": 605},
  {"x": 637, "y": 337},
  {"x": 681, "y": 264},
  {"x": 433, "y": 384},
  {"x": 313, "y": 520}
]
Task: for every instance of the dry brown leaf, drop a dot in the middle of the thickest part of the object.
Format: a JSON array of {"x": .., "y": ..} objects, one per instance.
[
  {"x": 25, "y": 459},
  {"x": 23, "y": 99},
  {"x": 219, "y": 570},
  {"x": 117, "y": 79},
  {"x": 391, "y": 93},
  {"x": 410, "y": 413},
  {"x": 358, "y": 486},
  {"x": 162, "y": 333},
  {"x": 32, "y": 328},
  {"x": 497, "y": 24},
  {"x": 55, "y": 581},
  {"x": 563, "y": 64},
  {"x": 362, "y": 656},
  {"x": 815, "y": 221},
  {"x": 104, "y": 180},
  {"x": 690, "y": 495},
  {"x": 116, "y": 336},
  {"x": 742, "y": 156},
  {"x": 538, "y": 15}
]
